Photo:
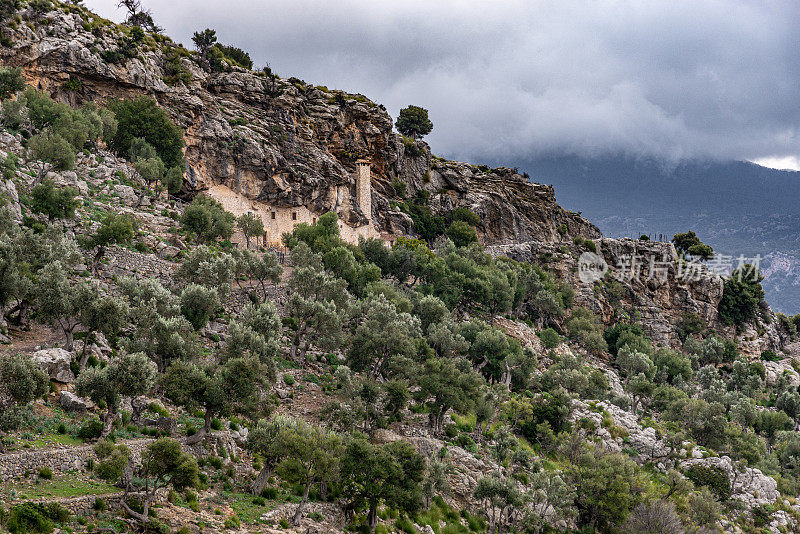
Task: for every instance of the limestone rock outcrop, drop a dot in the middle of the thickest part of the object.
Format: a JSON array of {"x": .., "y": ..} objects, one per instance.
[
  {"x": 645, "y": 281},
  {"x": 296, "y": 148}
]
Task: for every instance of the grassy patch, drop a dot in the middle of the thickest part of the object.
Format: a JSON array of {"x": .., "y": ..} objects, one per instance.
[
  {"x": 245, "y": 509},
  {"x": 49, "y": 441},
  {"x": 58, "y": 487}
]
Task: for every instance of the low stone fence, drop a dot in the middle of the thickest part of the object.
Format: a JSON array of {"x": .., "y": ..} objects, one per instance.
[
  {"x": 330, "y": 512},
  {"x": 62, "y": 460},
  {"x": 124, "y": 262},
  {"x": 84, "y": 505}
]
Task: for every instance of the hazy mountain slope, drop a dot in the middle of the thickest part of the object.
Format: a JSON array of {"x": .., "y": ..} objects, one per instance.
[{"x": 739, "y": 208}]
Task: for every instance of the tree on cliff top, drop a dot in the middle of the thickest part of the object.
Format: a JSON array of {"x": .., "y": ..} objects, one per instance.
[
  {"x": 689, "y": 243},
  {"x": 414, "y": 122}
]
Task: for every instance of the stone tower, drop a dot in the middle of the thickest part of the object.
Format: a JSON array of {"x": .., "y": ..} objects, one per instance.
[{"x": 364, "y": 187}]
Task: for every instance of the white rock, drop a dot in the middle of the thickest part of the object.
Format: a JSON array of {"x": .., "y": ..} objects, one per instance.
[
  {"x": 55, "y": 362},
  {"x": 127, "y": 194}
]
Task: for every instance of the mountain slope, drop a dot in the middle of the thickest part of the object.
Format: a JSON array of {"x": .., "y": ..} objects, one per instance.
[{"x": 737, "y": 207}]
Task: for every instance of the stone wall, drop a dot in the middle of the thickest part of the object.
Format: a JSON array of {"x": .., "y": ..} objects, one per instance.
[
  {"x": 84, "y": 505},
  {"x": 62, "y": 460},
  {"x": 279, "y": 220},
  {"x": 364, "y": 188},
  {"x": 124, "y": 262}
]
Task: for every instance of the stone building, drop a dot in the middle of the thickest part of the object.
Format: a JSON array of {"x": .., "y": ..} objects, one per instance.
[{"x": 278, "y": 220}]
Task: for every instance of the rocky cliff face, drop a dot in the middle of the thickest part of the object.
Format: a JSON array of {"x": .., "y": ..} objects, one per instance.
[
  {"x": 298, "y": 148},
  {"x": 643, "y": 281}
]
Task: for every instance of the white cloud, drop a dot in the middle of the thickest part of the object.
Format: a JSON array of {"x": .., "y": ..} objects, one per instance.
[{"x": 791, "y": 163}]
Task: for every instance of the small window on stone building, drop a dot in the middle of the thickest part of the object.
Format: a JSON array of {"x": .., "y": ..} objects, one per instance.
[
  {"x": 314, "y": 221},
  {"x": 273, "y": 215},
  {"x": 294, "y": 215}
]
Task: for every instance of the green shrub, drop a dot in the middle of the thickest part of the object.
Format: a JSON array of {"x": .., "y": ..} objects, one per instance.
[
  {"x": 769, "y": 356},
  {"x": 45, "y": 473},
  {"x": 741, "y": 295},
  {"x": 156, "y": 408},
  {"x": 233, "y": 522},
  {"x": 467, "y": 443},
  {"x": 91, "y": 429},
  {"x": 550, "y": 338},
  {"x": 143, "y": 118},
  {"x": 35, "y": 517},
  {"x": 11, "y": 82},
  {"x": 55, "y": 202},
  {"x": 270, "y": 493},
  {"x": 236, "y": 55},
  {"x": 288, "y": 379},
  {"x": 208, "y": 219},
  {"x": 714, "y": 478},
  {"x": 404, "y": 524},
  {"x": 54, "y": 149},
  {"x": 586, "y": 244},
  {"x": 465, "y": 214},
  {"x": 461, "y": 233}
]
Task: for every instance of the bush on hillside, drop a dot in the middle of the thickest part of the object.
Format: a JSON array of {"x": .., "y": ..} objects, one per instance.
[
  {"x": 208, "y": 219},
  {"x": 142, "y": 118}
]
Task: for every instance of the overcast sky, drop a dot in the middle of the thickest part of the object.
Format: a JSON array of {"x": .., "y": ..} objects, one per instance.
[{"x": 513, "y": 79}]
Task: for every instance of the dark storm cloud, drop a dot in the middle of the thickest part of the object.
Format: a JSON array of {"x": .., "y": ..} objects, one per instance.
[{"x": 511, "y": 79}]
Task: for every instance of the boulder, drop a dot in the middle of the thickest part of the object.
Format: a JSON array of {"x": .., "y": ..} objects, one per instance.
[
  {"x": 750, "y": 486},
  {"x": 168, "y": 252},
  {"x": 127, "y": 194},
  {"x": 55, "y": 362},
  {"x": 775, "y": 370},
  {"x": 72, "y": 403},
  {"x": 168, "y": 425}
]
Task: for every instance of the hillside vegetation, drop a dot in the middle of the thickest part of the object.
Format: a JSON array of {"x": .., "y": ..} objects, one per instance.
[{"x": 156, "y": 377}]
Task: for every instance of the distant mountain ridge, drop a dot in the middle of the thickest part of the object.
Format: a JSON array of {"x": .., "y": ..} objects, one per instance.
[{"x": 740, "y": 208}]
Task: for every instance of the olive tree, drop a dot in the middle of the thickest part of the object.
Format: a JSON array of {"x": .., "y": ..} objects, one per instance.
[
  {"x": 319, "y": 303},
  {"x": 499, "y": 498},
  {"x": 384, "y": 338},
  {"x": 163, "y": 465},
  {"x": 310, "y": 456},
  {"x": 381, "y": 474},
  {"x": 251, "y": 226},
  {"x": 21, "y": 381},
  {"x": 127, "y": 375},
  {"x": 263, "y": 268},
  {"x": 218, "y": 389},
  {"x": 446, "y": 384},
  {"x": 204, "y": 267},
  {"x": 263, "y": 440}
]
